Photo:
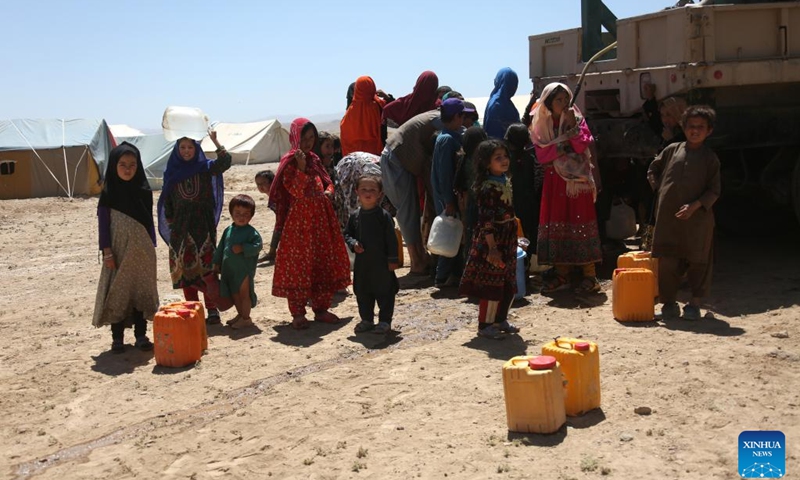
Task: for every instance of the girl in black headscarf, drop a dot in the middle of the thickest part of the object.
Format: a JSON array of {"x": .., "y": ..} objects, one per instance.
[{"x": 127, "y": 293}]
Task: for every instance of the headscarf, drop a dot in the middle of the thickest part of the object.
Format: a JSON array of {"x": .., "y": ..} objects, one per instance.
[
  {"x": 350, "y": 92},
  {"x": 500, "y": 110},
  {"x": 134, "y": 198},
  {"x": 471, "y": 138},
  {"x": 421, "y": 100},
  {"x": 360, "y": 129},
  {"x": 575, "y": 169},
  {"x": 465, "y": 171},
  {"x": 517, "y": 136},
  {"x": 179, "y": 170},
  {"x": 279, "y": 197}
]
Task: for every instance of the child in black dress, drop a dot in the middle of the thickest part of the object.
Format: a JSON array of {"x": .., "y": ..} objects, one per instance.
[{"x": 370, "y": 234}]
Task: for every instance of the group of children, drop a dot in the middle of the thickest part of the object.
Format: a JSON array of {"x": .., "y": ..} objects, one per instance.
[{"x": 309, "y": 246}]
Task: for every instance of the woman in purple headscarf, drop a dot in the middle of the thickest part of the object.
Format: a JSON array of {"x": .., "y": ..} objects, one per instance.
[{"x": 188, "y": 212}]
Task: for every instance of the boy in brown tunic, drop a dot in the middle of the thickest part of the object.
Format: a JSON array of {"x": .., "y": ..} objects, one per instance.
[{"x": 686, "y": 178}]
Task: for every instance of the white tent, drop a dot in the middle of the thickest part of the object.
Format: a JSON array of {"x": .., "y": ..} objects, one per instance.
[
  {"x": 519, "y": 101},
  {"x": 256, "y": 142},
  {"x": 122, "y": 130},
  {"x": 155, "y": 151}
]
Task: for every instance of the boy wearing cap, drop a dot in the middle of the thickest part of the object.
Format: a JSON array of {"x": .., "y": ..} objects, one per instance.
[{"x": 445, "y": 157}]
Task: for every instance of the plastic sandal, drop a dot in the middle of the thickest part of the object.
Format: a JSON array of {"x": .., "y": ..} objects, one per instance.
[
  {"x": 326, "y": 317},
  {"x": 117, "y": 347},
  {"x": 382, "y": 328},
  {"x": 588, "y": 285},
  {"x": 363, "y": 326},
  {"x": 143, "y": 343},
  {"x": 556, "y": 284}
]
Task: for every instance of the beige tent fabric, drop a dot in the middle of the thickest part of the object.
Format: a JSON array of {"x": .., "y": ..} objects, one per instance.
[
  {"x": 49, "y": 174},
  {"x": 255, "y": 142}
]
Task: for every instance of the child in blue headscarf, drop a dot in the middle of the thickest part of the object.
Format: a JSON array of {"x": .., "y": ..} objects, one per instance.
[
  {"x": 500, "y": 110},
  {"x": 188, "y": 212}
]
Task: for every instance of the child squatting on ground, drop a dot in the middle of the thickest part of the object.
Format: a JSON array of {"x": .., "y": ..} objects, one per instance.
[
  {"x": 370, "y": 234},
  {"x": 490, "y": 273},
  {"x": 127, "y": 292},
  {"x": 235, "y": 259},
  {"x": 264, "y": 180},
  {"x": 686, "y": 179}
]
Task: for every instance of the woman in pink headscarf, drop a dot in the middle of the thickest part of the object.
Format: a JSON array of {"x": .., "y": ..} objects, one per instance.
[
  {"x": 311, "y": 262},
  {"x": 421, "y": 100}
]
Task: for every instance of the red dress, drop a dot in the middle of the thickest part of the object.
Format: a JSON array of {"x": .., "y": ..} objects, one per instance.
[
  {"x": 312, "y": 257},
  {"x": 568, "y": 232}
]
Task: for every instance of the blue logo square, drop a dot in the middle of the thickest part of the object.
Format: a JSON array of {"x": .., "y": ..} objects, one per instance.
[{"x": 762, "y": 454}]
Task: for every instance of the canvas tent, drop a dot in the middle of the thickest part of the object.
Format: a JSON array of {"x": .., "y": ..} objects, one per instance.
[
  {"x": 519, "y": 101},
  {"x": 256, "y": 142},
  {"x": 155, "y": 151},
  {"x": 122, "y": 130},
  {"x": 47, "y": 158}
]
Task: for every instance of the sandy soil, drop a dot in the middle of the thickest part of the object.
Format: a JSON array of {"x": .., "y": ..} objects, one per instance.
[{"x": 424, "y": 403}]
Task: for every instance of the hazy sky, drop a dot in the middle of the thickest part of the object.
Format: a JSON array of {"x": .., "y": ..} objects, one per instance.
[{"x": 241, "y": 60}]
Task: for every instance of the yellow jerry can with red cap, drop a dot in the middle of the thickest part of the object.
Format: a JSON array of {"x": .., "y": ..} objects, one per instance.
[
  {"x": 580, "y": 364},
  {"x": 534, "y": 394}
]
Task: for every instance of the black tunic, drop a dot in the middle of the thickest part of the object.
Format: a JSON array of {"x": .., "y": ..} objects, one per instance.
[{"x": 374, "y": 230}]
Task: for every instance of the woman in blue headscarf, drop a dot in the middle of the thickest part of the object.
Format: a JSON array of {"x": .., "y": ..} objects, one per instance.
[
  {"x": 500, "y": 111},
  {"x": 188, "y": 212}
]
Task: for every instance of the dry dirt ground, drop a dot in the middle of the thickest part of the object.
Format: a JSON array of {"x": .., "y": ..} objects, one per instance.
[{"x": 427, "y": 402}]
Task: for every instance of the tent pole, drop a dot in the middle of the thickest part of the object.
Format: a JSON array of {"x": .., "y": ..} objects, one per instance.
[
  {"x": 64, "y": 150},
  {"x": 39, "y": 157}
]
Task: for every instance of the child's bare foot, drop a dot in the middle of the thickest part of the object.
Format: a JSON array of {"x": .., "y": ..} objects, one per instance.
[
  {"x": 243, "y": 322},
  {"x": 233, "y": 320},
  {"x": 299, "y": 322},
  {"x": 326, "y": 317}
]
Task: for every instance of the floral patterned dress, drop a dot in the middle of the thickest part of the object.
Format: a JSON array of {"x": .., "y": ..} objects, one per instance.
[
  {"x": 496, "y": 217},
  {"x": 189, "y": 210},
  {"x": 312, "y": 257}
]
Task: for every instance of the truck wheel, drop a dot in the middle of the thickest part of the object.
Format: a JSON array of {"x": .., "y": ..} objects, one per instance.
[{"x": 796, "y": 189}]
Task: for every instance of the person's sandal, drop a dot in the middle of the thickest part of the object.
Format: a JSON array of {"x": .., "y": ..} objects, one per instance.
[
  {"x": 326, "y": 317},
  {"x": 143, "y": 343},
  {"x": 213, "y": 317},
  {"x": 243, "y": 322},
  {"x": 117, "y": 346},
  {"x": 299, "y": 322},
  {"x": 556, "y": 284},
  {"x": 507, "y": 327},
  {"x": 491, "y": 332},
  {"x": 382, "y": 328},
  {"x": 363, "y": 326},
  {"x": 588, "y": 285}
]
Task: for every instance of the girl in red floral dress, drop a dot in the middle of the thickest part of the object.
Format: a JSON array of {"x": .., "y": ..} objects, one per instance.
[{"x": 311, "y": 262}]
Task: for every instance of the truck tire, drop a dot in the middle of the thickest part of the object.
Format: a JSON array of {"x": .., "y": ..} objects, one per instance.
[{"x": 796, "y": 189}]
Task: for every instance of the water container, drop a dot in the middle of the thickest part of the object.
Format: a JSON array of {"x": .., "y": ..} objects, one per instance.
[
  {"x": 445, "y": 236},
  {"x": 632, "y": 295},
  {"x": 640, "y": 259},
  {"x": 521, "y": 277},
  {"x": 199, "y": 317},
  {"x": 580, "y": 362},
  {"x": 177, "y": 338},
  {"x": 534, "y": 393},
  {"x": 179, "y": 122}
]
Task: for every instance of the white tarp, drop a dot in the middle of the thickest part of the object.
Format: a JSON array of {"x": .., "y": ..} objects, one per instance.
[
  {"x": 255, "y": 142},
  {"x": 122, "y": 130}
]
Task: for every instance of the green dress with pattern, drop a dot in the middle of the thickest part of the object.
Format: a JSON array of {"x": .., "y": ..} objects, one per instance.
[{"x": 189, "y": 210}]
